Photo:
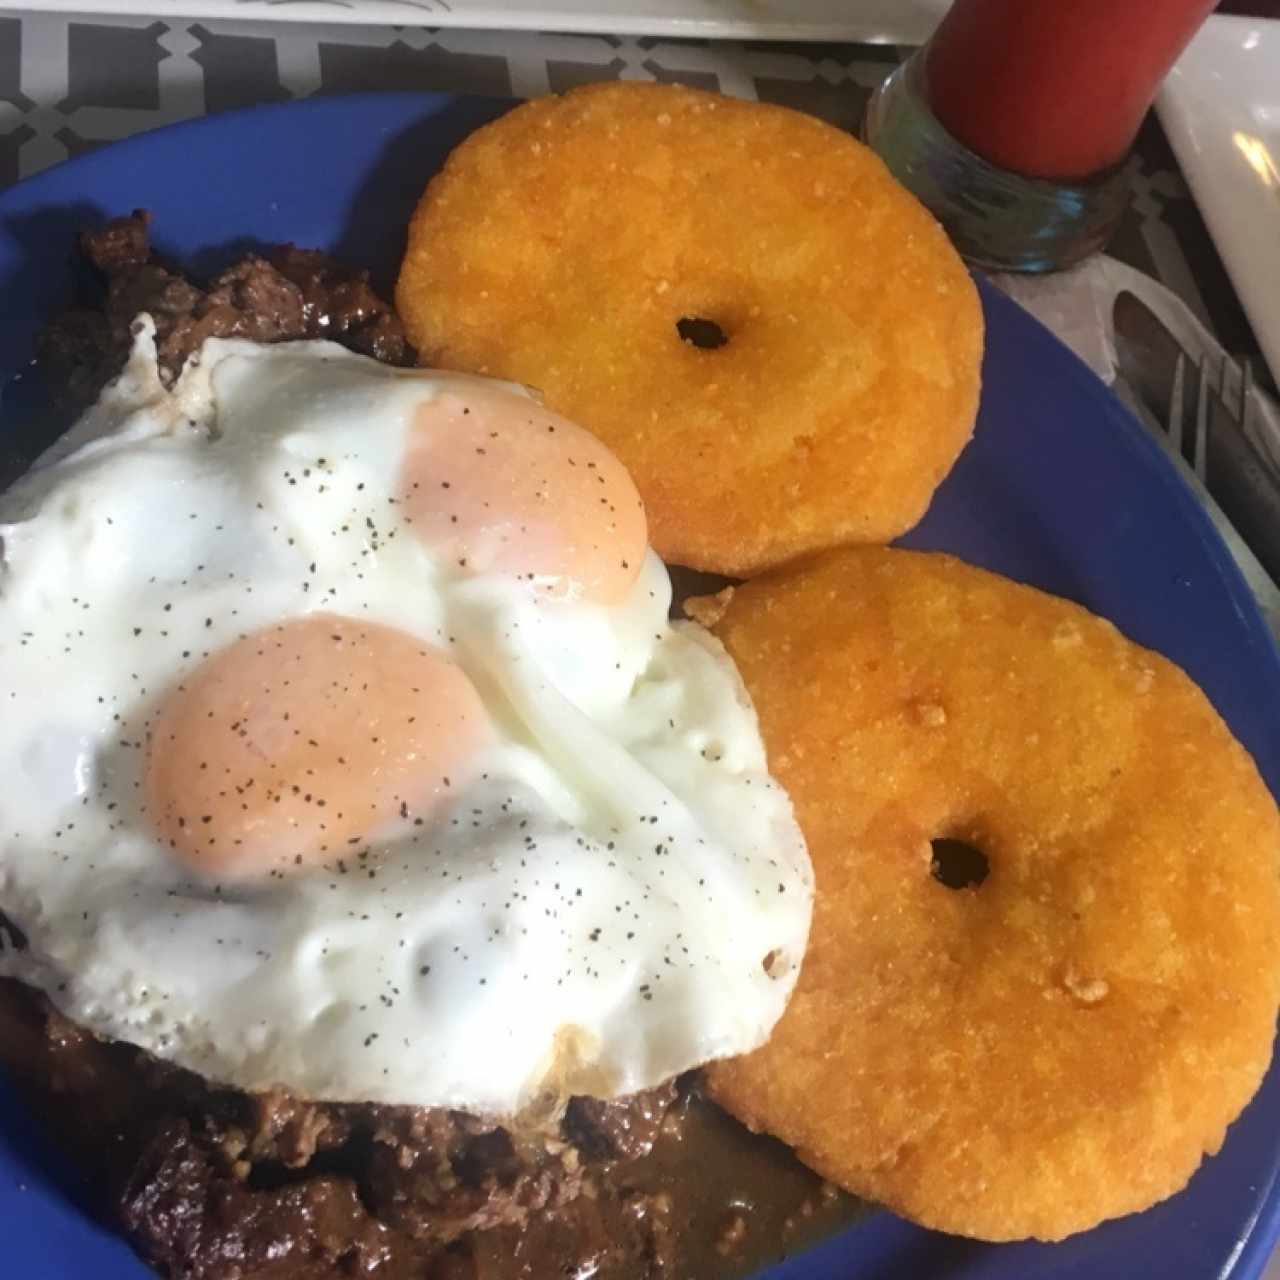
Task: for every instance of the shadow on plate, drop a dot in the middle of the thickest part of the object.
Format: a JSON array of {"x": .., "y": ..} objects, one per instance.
[
  {"x": 393, "y": 187},
  {"x": 48, "y": 276},
  {"x": 42, "y": 1162}
]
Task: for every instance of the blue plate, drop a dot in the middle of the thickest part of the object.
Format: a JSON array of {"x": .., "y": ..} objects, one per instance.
[{"x": 1060, "y": 488}]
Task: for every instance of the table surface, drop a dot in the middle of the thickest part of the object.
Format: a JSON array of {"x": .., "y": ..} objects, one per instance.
[{"x": 70, "y": 84}]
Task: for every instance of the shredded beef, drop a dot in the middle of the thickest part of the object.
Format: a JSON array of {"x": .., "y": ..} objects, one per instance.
[
  {"x": 217, "y": 1184},
  {"x": 290, "y": 293}
]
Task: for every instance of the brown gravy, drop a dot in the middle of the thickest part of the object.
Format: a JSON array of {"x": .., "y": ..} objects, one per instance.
[{"x": 214, "y": 1184}]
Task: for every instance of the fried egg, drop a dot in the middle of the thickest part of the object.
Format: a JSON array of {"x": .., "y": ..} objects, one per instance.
[{"x": 348, "y": 746}]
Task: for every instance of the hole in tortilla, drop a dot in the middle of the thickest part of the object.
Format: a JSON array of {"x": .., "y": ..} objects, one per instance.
[
  {"x": 958, "y": 864},
  {"x": 698, "y": 332}
]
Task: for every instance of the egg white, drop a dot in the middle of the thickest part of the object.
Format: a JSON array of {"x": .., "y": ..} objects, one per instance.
[{"x": 591, "y": 912}]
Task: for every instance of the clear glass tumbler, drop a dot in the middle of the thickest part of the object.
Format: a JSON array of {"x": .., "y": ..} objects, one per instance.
[{"x": 1014, "y": 122}]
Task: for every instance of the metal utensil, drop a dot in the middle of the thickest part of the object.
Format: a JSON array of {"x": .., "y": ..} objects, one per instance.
[
  {"x": 1207, "y": 408},
  {"x": 1152, "y": 361},
  {"x": 1245, "y": 483}
]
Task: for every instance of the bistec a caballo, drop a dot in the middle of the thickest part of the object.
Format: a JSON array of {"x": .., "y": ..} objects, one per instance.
[
  {"x": 382, "y": 854},
  {"x": 352, "y": 754}
]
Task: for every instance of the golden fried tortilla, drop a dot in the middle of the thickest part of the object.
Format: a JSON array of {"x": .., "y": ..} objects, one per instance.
[
  {"x": 1062, "y": 1041},
  {"x": 586, "y": 244}
]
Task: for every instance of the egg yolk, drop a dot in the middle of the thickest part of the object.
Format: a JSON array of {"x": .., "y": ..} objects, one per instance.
[
  {"x": 498, "y": 484},
  {"x": 291, "y": 745}
]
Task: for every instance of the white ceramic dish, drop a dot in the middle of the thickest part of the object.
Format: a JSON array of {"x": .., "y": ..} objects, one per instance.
[
  {"x": 1221, "y": 109},
  {"x": 869, "y": 21}
]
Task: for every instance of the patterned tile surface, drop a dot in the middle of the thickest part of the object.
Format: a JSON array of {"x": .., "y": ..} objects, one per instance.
[{"x": 68, "y": 84}]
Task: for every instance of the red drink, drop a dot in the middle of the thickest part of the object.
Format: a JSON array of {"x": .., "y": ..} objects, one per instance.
[{"x": 1054, "y": 88}]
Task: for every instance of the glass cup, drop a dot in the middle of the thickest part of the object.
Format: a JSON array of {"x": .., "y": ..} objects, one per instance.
[{"x": 1014, "y": 122}]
